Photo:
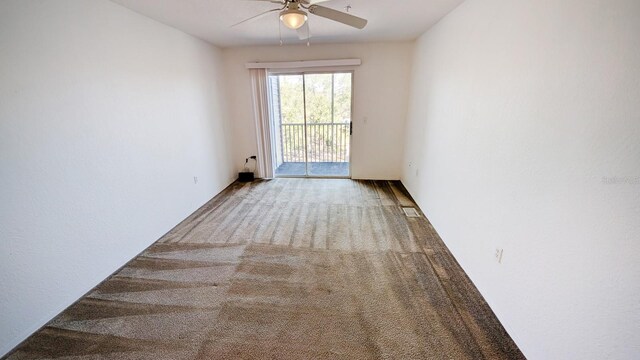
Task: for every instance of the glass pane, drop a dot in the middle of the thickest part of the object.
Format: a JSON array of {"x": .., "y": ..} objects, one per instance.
[
  {"x": 319, "y": 144},
  {"x": 328, "y": 100},
  {"x": 287, "y": 114},
  {"x": 342, "y": 98},
  {"x": 291, "y": 99}
]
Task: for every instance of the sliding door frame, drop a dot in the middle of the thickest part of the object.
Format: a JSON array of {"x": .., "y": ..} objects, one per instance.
[{"x": 304, "y": 101}]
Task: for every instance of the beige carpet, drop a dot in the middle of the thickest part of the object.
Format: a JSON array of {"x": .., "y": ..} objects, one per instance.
[{"x": 285, "y": 269}]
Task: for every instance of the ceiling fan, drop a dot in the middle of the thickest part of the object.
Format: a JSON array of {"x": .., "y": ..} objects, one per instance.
[{"x": 294, "y": 16}]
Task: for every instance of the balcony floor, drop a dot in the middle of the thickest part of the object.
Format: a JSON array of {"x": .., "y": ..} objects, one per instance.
[{"x": 319, "y": 169}]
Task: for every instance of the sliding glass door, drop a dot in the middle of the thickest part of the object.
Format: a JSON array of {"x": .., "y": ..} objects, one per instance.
[{"x": 311, "y": 121}]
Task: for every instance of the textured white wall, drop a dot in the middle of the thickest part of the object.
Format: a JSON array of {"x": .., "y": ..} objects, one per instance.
[
  {"x": 522, "y": 115},
  {"x": 105, "y": 118},
  {"x": 380, "y": 90}
]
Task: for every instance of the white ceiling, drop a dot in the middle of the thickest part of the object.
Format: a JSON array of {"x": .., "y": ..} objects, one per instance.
[{"x": 210, "y": 20}]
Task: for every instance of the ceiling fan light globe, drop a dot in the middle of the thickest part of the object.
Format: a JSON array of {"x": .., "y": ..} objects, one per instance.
[{"x": 293, "y": 19}]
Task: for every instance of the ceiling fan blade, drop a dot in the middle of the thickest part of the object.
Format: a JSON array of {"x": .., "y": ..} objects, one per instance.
[
  {"x": 256, "y": 17},
  {"x": 271, "y": 1},
  {"x": 312, "y": 2},
  {"x": 335, "y": 15},
  {"x": 303, "y": 31}
]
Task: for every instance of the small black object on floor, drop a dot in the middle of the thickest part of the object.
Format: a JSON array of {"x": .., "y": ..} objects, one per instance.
[{"x": 245, "y": 176}]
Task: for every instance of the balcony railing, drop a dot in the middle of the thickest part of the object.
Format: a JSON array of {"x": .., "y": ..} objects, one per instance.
[{"x": 325, "y": 142}]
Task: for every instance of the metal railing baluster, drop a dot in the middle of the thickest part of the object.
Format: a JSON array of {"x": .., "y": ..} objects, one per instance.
[{"x": 325, "y": 142}]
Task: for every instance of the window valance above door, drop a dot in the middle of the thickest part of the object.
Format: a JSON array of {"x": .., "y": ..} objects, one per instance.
[{"x": 304, "y": 64}]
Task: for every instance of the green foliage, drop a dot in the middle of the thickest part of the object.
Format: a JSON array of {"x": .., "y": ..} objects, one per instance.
[
  {"x": 291, "y": 99},
  {"x": 342, "y": 98},
  {"x": 318, "y": 93}
]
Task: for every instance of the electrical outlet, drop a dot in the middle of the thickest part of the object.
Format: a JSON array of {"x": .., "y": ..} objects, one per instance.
[
  {"x": 410, "y": 164},
  {"x": 195, "y": 179},
  {"x": 499, "y": 255}
]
